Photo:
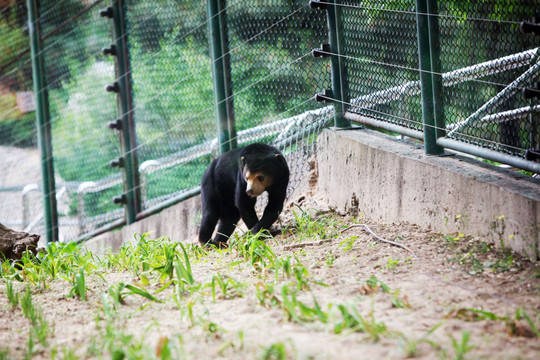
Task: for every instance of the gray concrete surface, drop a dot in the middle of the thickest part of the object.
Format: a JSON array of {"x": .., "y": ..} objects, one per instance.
[{"x": 383, "y": 178}]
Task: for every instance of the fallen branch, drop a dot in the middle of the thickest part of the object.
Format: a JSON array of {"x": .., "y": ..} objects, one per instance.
[{"x": 313, "y": 243}]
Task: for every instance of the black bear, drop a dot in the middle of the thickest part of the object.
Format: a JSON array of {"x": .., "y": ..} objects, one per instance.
[{"x": 230, "y": 186}]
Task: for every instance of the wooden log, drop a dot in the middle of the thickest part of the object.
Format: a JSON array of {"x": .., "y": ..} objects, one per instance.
[{"x": 14, "y": 243}]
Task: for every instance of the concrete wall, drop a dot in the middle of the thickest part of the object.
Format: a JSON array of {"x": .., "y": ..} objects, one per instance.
[{"x": 386, "y": 179}]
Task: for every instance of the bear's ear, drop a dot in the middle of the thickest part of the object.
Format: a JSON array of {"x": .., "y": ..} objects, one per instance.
[
  {"x": 243, "y": 161},
  {"x": 281, "y": 158}
]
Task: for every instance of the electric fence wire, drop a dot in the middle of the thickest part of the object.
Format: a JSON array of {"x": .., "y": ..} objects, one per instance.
[
  {"x": 172, "y": 169},
  {"x": 411, "y": 12},
  {"x": 275, "y": 24},
  {"x": 57, "y": 41},
  {"x": 244, "y": 89},
  {"x": 211, "y": 107},
  {"x": 415, "y": 70},
  {"x": 419, "y": 123},
  {"x": 187, "y": 120},
  {"x": 216, "y": 60}
]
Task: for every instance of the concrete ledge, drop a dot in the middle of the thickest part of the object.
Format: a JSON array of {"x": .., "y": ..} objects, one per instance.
[
  {"x": 390, "y": 180},
  {"x": 177, "y": 222}
]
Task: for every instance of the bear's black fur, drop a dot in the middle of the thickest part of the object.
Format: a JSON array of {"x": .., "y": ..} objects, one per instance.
[{"x": 224, "y": 191}]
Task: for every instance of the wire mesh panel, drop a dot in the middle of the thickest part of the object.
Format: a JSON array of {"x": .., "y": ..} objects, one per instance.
[
  {"x": 275, "y": 78},
  {"x": 274, "y": 75},
  {"x": 484, "y": 104},
  {"x": 173, "y": 96},
  {"x": 20, "y": 172},
  {"x": 77, "y": 72},
  {"x": 381, "y": 58}
]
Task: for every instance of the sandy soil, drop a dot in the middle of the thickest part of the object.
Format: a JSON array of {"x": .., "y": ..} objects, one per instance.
[
  {"x": 436, "y": 287},
  {"x": 440, "y": 289}
]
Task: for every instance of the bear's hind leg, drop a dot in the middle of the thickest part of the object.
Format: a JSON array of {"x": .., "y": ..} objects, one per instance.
[
  {"x": 226, "y": 227},
  {"x": 208, "y": 224}
]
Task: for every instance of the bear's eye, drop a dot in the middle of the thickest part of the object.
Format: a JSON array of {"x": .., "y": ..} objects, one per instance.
[{"x": 260, "y": 178}]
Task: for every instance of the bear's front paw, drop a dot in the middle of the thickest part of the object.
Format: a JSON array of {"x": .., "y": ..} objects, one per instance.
[{"x": 217, "y": 244}]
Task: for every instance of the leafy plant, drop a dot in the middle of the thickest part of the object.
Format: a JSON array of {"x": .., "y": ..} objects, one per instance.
[
  {"x": 461, "y": 347},
  {"x": 301, "y": 274},
  {"x": 374, "y": 284},
  {"x": 12, "y": 295},
  {"x": 253, "y": 249},
  {"x": 79, "y": 286},
  {"x": 350, "y": 319},
  {"x": 266, "y": 293},
  {"x": 297, "y": 311},
  {"x": 41, "y": 330},
  {"x": 183, "y": 274},
  {"x": 40, "y": 327},
  {"x": 399, "y": 302},
  {"x": 392, "y": 264},
  {"x": 168, "y": 260},
  {"x": 515, "y": 328},
  {"x": 410, "y": 346},
  {"x": 470, "y": 314},
  {"x": 276, "y": 351},
  {"x": 4, "y": 352},
  {"x": 330, "y": 259},
  {"x": 347, "y": 244},
  {"x": 353, "y": 321},
  {"x": 119, "y": 291},
  {"x": 229, "y": 287},
  {"x": 29, "y": 311}
]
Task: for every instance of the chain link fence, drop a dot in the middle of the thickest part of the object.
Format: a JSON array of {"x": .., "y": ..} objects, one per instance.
[
  {"x": 488, "y": 108},
  {"x": 487, "y": 61},
  {"x": 177, "y": 66},
  {"x": 381, "y": 58}
]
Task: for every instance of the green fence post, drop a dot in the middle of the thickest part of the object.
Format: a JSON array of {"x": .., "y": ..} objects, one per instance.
[
  {"x": 221, "y": 75},
  {"x": 43, "y": 123},
  {"x": 426, "y": 80},
  {"x": 125, "y": 123},
  {"x": 334, "y": 49},
  {"x": 339, "y": 74},
  {"x": 436, "y": 73}
]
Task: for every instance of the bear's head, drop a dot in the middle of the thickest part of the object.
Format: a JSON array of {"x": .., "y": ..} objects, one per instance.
[{"x": 259, "y": 173}]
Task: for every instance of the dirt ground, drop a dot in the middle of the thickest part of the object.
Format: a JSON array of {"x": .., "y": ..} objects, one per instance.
[{"x": 437, "y": 297}]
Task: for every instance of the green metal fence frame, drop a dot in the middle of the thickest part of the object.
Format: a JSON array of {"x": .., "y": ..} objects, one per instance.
[
  {"x": 430, "y": 74},
  {"x": 125, "y": 124},
  {"x": 431, "y": 84},
  {"x": 221, "y": 75},
  {"x": 43, "y": 122}
]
